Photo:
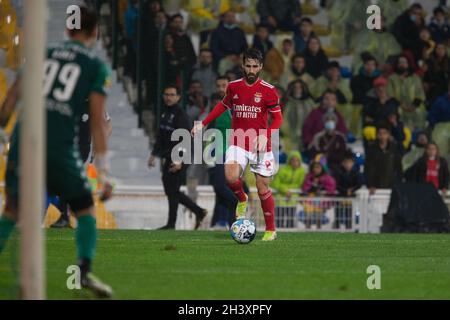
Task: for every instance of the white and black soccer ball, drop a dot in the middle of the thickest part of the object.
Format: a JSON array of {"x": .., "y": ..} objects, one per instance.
[{"x": 243, "y": 231}]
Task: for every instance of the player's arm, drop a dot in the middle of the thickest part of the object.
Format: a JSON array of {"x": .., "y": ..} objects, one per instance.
[
  {"x": 274, "y": 109},
  {"x": 220, "y": 108},
  {"x": 98, "y": 124}
]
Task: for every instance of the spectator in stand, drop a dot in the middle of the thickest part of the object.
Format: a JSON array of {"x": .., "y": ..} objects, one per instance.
[
  {"x": 440, "y": 110},
  {"x": 407, "y": 88},
  {"x": 156, "y": 32},
  {"x": 427, "y": 43},
  {"x": 318, "y": 182},
  {"x": 362, "y": 83},
  {"x": 330, "y": 143},
  {"x": 407, "y": 27},
  {"x": 416, "y": 152},
  {"x": 377, "y": 107},
  {"x": 432, "y": 168},
  {"x": 437, "y": 74},
  {"x": 130, "y": 38},
  {"x": 289, "y": 177},
  {"x": 197, "y": 102},
  {"x": 261, "y": 39},
  {"x": 439, "y": 26},
  {"x": 400, "y": 134},
  {"x": 333, "y": 81},
  {"x": 315, "y": 58},
  {"x": 348, "y": 178},
  {"x": 228, "y": 40},
  {"x": 313, "y": 123},
  {"x": 348, "y": 181},
  {"x": 171, "y": 62},
  {"x": 183, "y": 46},
  {"x": 204, "y": 72},
  {"x": 287, "y": 52},
  {"x": 383, "y": 167},
  {"x": 297, "y": 71},
  {"x": 380, "y": 43},
  {"x": 303, "y": 34},
  {"x": 279, "y": 15},
  {"x": 299, "y": 104}
]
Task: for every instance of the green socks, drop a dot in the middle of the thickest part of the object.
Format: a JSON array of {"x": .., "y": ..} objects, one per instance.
[
  {"x": 86, "y": 237},
  {"x": 6, "y": 227}
]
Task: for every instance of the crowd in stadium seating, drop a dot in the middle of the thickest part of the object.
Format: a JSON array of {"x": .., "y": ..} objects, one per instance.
[{"x": 394, "y": 95}]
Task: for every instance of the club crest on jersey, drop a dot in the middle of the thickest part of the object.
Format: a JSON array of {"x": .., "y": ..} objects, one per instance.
[{"x": 258, "y": 97}]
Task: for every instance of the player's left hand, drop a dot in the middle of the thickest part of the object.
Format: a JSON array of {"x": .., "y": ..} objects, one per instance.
[{"x": 260, "y": 143}]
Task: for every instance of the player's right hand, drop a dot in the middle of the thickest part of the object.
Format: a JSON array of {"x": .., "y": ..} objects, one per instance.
[
  {"x": 106, "y": 187},
  {"x": 197, "y": 127}
]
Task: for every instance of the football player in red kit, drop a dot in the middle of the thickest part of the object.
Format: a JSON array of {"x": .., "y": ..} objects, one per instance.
[{"x": 250, "y": 100}]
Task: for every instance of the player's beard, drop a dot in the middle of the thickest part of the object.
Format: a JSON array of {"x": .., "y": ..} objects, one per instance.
[{"x": 251, "y": 78}]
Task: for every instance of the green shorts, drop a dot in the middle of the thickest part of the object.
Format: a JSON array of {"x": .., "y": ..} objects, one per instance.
[{"x": 66, "y": 175}]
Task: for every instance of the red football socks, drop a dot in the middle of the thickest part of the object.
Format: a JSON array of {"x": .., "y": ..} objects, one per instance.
[
  {"x": 237, "y": 189},
  {"x": 268, "y": 207}
]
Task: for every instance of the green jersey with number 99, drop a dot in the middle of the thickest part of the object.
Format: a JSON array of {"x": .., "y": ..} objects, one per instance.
[{"x": 72, "y": 73}]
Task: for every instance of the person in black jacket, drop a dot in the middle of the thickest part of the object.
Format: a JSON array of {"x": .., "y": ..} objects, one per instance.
[
  {"x": 431, "y": 168},
  {"x": 173, "y": 172},
  {"x": 227, "y": 40},
  {"x": 279, "y": 15},
  {"x": 406, "y": 29},
  {"x": 383, "y": 165},
  {"x": 348, "y": 181},
  {"x": 348, "y": 178},
  {"x": 315, "y": 58}
]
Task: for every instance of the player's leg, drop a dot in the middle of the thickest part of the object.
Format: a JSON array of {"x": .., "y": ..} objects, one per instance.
[
  {"x": 86, "y": 242},
  {"x": 267, "y": 205},
  {"x": 66, "y": 178},
  {"x": 235, "y": 163},
  {"x": 264, "y": 170}
]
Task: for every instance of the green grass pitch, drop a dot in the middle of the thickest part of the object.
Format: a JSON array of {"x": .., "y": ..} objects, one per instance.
[{"x": 210, "y": 265}]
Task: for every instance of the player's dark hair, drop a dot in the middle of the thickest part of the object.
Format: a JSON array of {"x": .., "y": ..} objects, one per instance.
[
  {"x": 89, "y": 21},
  {"x": 172, "y": 86},
  {"x": 254, "y": 54}
]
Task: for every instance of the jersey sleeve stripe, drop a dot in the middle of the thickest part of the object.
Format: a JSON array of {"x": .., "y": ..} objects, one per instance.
[
  {"x": 274, "y": 111},
  {"x": 274, "y": 106}
]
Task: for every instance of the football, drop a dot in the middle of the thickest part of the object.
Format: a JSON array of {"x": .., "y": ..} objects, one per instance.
[{"x": 243, "y": 231}]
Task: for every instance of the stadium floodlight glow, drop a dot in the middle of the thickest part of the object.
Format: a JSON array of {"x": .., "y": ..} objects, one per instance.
[{"x": 31, "y": 183}]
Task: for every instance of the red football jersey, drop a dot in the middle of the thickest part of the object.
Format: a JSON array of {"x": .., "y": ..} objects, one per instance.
[{"x": 250, "y": 106}]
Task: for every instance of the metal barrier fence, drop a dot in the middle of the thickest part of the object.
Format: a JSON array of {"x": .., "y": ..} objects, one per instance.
[
  {"x": 135, "y": 207},
  {"x": 146, "y": 208}
]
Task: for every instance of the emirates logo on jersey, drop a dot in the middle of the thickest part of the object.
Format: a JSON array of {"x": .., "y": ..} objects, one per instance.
[{"x": 258, "y": 97}]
